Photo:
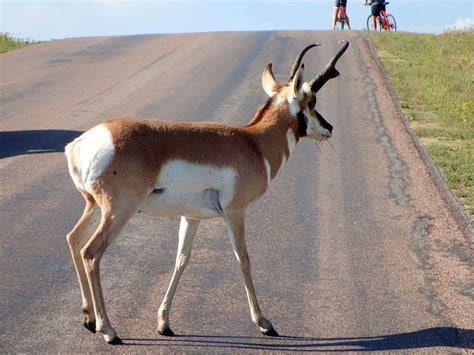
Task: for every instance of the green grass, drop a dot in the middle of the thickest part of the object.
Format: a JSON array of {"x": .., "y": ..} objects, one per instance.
[
  {"x": 8, "y": 42},
  {"x": 433, "y": 76}
]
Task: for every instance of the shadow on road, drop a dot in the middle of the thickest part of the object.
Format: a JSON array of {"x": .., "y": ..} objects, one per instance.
[
  {"x": 426, "y": 338},
  {"x": 13, "y": 143}
]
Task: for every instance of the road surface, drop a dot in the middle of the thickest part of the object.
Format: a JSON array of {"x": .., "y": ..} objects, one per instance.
[{"x": 352, "y": 248}]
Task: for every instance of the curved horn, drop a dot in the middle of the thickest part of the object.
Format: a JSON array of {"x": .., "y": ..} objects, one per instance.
[
  {"x": 329, "y": 71},
  {"x": 298, "y": 59}
]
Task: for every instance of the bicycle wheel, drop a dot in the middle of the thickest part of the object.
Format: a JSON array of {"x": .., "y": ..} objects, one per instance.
[
  {"x": 392, "y": 23},
  {"x": 369, "y": 23}
]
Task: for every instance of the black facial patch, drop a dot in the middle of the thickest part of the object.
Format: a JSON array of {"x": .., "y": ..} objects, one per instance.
[
  {"x": 323, "y": 122},
  {"x": 302, "y": 124}
]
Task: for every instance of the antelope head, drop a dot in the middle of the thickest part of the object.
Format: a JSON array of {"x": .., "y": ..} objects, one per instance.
[{"x": 301, "y": 95}]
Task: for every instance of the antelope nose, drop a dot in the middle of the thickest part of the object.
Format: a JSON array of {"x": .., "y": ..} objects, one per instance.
[{"x": 323, "y": 122}]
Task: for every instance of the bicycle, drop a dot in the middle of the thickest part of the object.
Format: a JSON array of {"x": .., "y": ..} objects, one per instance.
[
  {"x": 385, "y": 21},
  {"x": 342, "y": 19}
]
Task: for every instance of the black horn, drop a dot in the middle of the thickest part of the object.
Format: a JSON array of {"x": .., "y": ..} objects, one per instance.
[
  {"x": 298, "y": 59},
  {"x": 329, "y": 71}
]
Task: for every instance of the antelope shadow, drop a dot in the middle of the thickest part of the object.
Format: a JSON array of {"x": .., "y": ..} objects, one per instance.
[
  {"x": 13, "y": 143},
  {"x": 421, "y": 339}
]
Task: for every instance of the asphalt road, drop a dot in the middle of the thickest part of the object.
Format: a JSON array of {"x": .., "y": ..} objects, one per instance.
[{"x": 352, "y": 248}]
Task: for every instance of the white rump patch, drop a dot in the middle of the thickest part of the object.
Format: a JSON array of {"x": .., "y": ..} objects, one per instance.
[{"x": 91, "y": 153}]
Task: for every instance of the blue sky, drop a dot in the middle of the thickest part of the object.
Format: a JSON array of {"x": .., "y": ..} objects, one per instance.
[{"x": 45, "y": 20}]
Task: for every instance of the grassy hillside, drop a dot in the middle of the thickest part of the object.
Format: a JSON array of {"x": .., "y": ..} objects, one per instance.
[
  {"x": 433, "y": 76},
  {"x": 8, "y": 42}
]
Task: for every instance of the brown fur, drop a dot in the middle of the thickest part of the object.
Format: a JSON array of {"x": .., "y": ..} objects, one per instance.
[{"x": 143, "y": 146}]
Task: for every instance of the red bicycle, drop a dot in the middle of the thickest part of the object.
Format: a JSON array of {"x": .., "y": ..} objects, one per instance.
[
  {"x": 342, "y": 19},
  {"x": 384, "y": 22}
]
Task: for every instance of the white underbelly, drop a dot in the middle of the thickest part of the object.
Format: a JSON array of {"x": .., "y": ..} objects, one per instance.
[
  {"x": 175, "y": 205},
  {"x": 191, "y": 190}
]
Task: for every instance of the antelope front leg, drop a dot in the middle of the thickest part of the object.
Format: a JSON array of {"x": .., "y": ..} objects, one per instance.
[
  {"x": 235, "y": 228},
  {"x": 187, "y": 231}
]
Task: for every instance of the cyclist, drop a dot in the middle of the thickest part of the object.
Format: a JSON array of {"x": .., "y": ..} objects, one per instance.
[
  {"x": 376, "y": 7},
  {"x": 335, "y": 13}
]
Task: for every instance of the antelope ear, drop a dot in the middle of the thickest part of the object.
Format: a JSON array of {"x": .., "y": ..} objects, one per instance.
[
  {"x": 268, "y": 80},
  {"x": 297, "y": 82}
]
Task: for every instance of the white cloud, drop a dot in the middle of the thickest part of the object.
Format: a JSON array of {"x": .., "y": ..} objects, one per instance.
[{"x": 461, "y": 24}]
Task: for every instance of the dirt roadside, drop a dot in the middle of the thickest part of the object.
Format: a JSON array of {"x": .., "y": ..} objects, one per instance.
[{"x": 442, "y": 233}]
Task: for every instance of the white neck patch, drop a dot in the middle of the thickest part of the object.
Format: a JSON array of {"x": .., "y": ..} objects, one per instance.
[
  {"x": 268, "y": 170},
  {"x": 291, "y": 138}
]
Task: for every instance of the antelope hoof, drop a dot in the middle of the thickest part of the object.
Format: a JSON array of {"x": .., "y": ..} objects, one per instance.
[
  {"x": 266, "y": 327},
  {"x": 90, "y": 325},
  {"x": 167, "y": 332},
  {"x": 115, "y": 341},
  {"x": 270, "y": 332}
]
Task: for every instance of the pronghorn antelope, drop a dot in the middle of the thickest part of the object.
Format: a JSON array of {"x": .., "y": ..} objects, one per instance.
[{"x": 192, "y": 170}]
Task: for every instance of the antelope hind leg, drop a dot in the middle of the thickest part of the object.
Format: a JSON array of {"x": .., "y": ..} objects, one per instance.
[
  {"x": 110, "y": 226},
  {"x": 76, "y": 239}
]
